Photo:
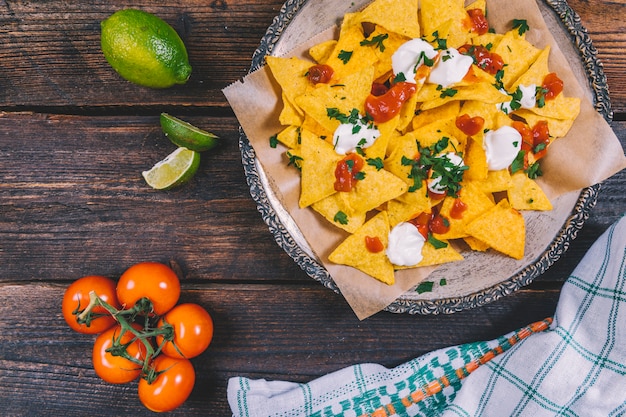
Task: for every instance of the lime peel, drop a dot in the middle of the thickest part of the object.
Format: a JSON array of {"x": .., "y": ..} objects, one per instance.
[{"x": 185, "y": 134}]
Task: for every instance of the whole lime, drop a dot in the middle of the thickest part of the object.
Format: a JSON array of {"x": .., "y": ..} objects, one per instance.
[{"x": 144, "y": 49}]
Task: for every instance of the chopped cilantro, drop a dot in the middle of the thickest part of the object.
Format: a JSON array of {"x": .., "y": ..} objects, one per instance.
[
  {"x": 341, "y": 217},
  {"x": 376, "y": 163},
  {"x": 424, "y": 286},
  {"x": 376, "y": 41},
  {"x": 273, "y": 141},
  {"x": 521, "y": 25},
  {"x": 443, "y": 282},
  {"x": 436, "y": 243},
  {"x": 450, "y": 175},
  {"x": 534, "y": 171},
  {"x": 294, "y": 160},
  {"x": 446, "y": 92},
  {"x": 518, "y": 162},
  {"x": 345, "y": 56},
  {"x": 400, "y": 77}
]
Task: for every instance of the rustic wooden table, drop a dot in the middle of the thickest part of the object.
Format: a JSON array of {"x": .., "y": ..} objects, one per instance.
[{"x": 74, "y": 138}]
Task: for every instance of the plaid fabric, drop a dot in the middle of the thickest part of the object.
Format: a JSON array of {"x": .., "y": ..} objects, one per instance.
[{"x": 571, "y": 365}]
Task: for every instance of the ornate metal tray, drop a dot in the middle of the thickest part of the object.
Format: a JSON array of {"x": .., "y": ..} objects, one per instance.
[{"x": 301, "y": 19}]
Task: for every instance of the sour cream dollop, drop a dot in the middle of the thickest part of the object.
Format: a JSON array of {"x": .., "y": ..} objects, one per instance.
[
  {"x": 350, "y": 136},
  {"x": 527, "y": 101},
  {"x": 451, "y": 68},
  {"x": 405, "y": 245},
  {"x": 410, "y": 56},
  {"x": 502, "y": 146}
]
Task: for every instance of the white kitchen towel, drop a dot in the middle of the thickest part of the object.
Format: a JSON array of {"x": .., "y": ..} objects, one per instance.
[{"x": 573, "y": 364}]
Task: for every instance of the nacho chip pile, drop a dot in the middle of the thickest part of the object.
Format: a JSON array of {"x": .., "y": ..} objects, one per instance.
[{"x": 448, "y": 143}]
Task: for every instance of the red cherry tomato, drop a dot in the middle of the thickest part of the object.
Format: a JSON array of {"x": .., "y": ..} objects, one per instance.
[
  {"x": 117, "y": 369},
  {"x": 76, "y": 297},
  {"x": 153, "y": 280},
  {"x": 171, "y": 388},
  {"x": 193, "y": 331}
]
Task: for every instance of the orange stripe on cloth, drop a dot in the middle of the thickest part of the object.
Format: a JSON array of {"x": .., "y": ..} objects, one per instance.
[{"x": 437, "y": 385}]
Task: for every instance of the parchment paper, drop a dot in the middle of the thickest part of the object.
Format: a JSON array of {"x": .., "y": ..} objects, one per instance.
[{"x": 589, "y": 154}]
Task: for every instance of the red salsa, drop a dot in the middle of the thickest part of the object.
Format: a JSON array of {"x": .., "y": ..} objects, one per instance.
[
  {"x": 430, "y": 223},
  {"x": 470, "y": 125},
  {"x": 479, "y": 24},
  {"x": 483, "y": 58},
  {"x": 552, "y": 86},
  {"x": 347, "y": 172},
  {"x": 458, "y": 208},
  {"x": 382, "y": 108},
  {"x": 374, "y": 244},
  {"x": 320, "y": 73}
]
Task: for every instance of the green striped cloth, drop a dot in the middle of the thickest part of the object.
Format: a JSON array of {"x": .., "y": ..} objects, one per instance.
[{"x": 573, "y": 364}]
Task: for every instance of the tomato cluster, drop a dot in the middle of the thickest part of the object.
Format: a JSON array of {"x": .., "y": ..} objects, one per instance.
[{"x": 142, "y": 331}]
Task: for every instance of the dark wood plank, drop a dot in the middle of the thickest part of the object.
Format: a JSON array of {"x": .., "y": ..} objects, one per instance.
[
  {"x": 49, "y": 45},
  {"x": 256, "y": 329}
]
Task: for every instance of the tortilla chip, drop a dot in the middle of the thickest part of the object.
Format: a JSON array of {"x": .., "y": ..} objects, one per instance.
[
  {"x": 518, "y": 54},
  {"x": 525, "y": 194},
  {"x": 353, "y": 250},
  {"x": 319, "y": 161},
  {"x": 438, "y": 256},
  {"x": 476, "y": 159},
  {"x": 496, "y": 181},
  {"x": 476, "y": 203},
  {"x": 502, "y": 228},
  {"x": 322, "y": 51},
  {"x": 398, "y": 16},
  {"x": 349, "y": 56},
  {"x": 348, "y": 95},
  {"x": 290, "y": 136},
  {"x": 334, "y": 208}
]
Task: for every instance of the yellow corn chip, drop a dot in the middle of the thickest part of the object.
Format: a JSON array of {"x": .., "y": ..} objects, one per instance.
[
  {"x": 348, "y": 95},
  {"x": 496, "y": 181},
  {"x": 525, "y": 194},
  {"x": 476, "y": 159},
  {"x": 398, "y": 16},
  {"x": 349, "y": 56},
  {"x": 407, "y": 206},
  {"x": 289, "y": 136},
  {"x": 517, "y": 53},
  {"x": 475, "y": 244},
  {"x": 434, "y": 96},
  {"x": 475, "y": 201},
  {"x": 438, "y": 256},
  {"x": 502, "y": 228},
  {"x": 334, "y": 208},
  {"x": 353, "y": 250},
  {"x": 378, "y": 187},
  {"x": 322, "y": 51},
  {"x": 319, "y": 161}
]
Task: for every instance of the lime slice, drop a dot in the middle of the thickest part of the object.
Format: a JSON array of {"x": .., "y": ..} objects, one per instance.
[
  {"x": 176, "y": 169},
  {"x": 184, "y": 134}
]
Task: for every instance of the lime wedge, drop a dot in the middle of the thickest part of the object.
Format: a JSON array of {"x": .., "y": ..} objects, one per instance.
[
  {"x": 176, "y": 169},
  {"x": 184, "y": 134}
]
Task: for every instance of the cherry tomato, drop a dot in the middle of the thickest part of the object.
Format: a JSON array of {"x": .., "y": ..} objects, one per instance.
[
  {"x": 117, "y": 369},
  {"x": 76, "y": 296},
  {"x": 193, "y": 331},
  {"x": 153, "y": 280},
  {"x": 171, "y": 388}
]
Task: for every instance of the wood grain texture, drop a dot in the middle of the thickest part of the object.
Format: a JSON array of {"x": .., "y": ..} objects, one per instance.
[{"x": 74, "y": 138}]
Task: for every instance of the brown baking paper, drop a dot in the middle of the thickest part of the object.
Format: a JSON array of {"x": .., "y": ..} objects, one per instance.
[{"x": 589, "y": 154}]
